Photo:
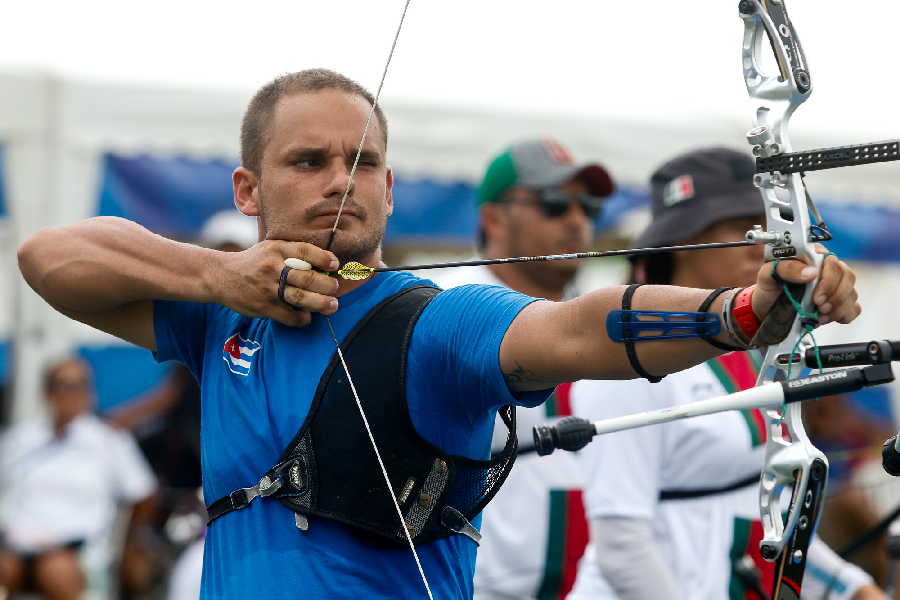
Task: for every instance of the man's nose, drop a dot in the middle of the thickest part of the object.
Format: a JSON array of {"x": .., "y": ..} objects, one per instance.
[
  {"x": 575, "y": 214},
  {"x": 339, "y": 181}
]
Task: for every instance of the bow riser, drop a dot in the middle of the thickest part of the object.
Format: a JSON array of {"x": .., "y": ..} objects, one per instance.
[
  {"x": 789, "y": 462},
  {"x": 791, "y": 459},
  {"x": 806, "y": 503}
]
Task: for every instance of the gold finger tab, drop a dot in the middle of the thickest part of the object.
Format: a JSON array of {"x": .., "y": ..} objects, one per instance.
[{"x": 355, "y": 271}]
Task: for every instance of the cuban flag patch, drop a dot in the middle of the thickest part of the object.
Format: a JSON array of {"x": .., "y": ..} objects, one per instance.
[{"x": 240, "y": 354}]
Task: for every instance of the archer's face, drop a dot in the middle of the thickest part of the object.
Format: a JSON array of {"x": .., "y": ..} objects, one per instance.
[{"x": 306, "y": 167}]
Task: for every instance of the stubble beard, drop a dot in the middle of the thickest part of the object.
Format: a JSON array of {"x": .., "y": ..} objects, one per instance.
[
  {"x": 345, "y": 246},
  {"x": 554, "y": 274}
]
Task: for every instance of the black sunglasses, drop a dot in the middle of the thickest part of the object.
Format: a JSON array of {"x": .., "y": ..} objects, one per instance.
[{"x": 554, "y": 203}]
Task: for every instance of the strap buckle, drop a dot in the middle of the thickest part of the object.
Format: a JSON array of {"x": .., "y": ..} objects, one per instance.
[
  {"x": 454, "y": 520},
  {"x": 241, "y": 498}
]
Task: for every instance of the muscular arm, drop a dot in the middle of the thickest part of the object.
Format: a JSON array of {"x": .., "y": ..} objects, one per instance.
[
  {"x": 107, "y": 271},
  {"x": 553, "y": 342}
]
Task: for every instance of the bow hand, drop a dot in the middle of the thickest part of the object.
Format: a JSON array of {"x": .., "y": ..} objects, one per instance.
[{"x": 834, "y": 297}]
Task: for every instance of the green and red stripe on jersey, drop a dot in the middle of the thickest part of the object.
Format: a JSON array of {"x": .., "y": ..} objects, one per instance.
[
  {"x": 567, "y": 535},
  {"x": 737, "y": 371},
  {"x": 559, "y": 404},
  {"x": 567, "y": 538},
  {"x": 745, "y": 542}
]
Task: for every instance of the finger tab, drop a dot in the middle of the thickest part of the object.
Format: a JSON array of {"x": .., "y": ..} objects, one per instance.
[{"x": 297, "y": 263}]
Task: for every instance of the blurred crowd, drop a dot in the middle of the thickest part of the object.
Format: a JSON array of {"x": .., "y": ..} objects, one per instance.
[{"x": 109, "y": 505}]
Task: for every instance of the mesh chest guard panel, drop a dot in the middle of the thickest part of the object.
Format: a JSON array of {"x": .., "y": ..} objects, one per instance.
[{"x": 329, "y": 470}]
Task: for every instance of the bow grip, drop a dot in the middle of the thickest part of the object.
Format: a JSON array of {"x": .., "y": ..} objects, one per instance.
[{"x": 778, "y": 323}]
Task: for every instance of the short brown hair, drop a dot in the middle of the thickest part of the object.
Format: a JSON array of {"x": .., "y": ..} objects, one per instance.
[{"x": 255, "y": 125}]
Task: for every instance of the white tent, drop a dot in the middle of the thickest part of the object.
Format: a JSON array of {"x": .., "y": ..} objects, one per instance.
[{"x": 54, "y": 133}]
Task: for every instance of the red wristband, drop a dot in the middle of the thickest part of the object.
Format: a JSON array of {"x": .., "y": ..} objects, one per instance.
[{"x": 742, "y": 312}]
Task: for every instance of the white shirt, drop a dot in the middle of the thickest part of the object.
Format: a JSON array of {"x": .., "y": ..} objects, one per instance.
[
  {"x": 697, "y": 537},
  {"x": 534, "y": 530},
  {"x": 184, "y": 583},
  {"x": 57, "y": 490},
  {"x": 456, "y": 276}
]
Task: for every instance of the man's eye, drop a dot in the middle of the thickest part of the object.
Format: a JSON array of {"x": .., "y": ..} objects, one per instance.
[{"x": 308, "y": 163}]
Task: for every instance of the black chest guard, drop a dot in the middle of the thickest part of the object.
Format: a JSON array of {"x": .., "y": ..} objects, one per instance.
[{"x": 329, "y": 470}]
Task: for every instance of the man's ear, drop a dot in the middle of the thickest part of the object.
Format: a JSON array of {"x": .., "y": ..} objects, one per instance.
[
  {"x": 245, "y": 184},
  {"x": 389, "y": 191},
  {"x": 493, "y": 220}
]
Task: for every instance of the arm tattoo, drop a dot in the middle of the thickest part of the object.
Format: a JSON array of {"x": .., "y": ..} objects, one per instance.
[{"x": 522, "y": 376}]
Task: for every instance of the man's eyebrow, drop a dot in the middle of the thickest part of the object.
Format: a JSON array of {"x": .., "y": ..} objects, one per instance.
[
  {"x": 367, "y": 156},
  {"x": 304, "y": 152}
]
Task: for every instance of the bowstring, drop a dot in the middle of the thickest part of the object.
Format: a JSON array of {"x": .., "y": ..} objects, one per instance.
[
  {"x": 365, "y": 132},
  {"x": 337, "y": 345}
]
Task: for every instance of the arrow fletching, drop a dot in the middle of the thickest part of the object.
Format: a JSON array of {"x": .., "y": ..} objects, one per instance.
[{"x": 355, "y": 271}]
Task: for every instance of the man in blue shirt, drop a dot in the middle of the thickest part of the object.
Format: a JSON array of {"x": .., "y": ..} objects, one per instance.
[{"x": 259, "y": 360}]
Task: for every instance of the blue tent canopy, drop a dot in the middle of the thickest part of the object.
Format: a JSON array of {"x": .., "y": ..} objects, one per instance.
[{"x": 122, "y": 373}]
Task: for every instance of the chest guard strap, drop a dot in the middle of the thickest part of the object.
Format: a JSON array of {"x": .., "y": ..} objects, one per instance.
[{"x": 329, "y": 469}]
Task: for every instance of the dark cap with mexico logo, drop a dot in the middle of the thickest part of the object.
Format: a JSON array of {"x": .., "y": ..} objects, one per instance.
[
  {"x": 539, "y": 164},
  {"x": 696, "y": 190}
]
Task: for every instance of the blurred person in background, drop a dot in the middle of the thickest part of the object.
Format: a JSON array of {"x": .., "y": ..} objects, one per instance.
[
  {"x": 674, "y": 509},
  {"x": 166, "y": 421},
  {"x": 534, "y": 199},
  {"x": 851, "y": 431},
  {"x": 63, "y": 480}
]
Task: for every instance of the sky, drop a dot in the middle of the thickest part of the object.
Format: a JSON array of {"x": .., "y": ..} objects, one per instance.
[{"x": 648, "y": 59}]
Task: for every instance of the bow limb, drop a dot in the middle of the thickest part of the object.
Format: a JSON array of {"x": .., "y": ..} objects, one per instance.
[{"x": 791, "y": 459}]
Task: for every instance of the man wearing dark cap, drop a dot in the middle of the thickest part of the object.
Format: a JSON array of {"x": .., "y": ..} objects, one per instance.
[
  {"x": 703, "y": 196},
  {"x": 534, "y": 199},
  {"x": 674, "y": 509}
]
